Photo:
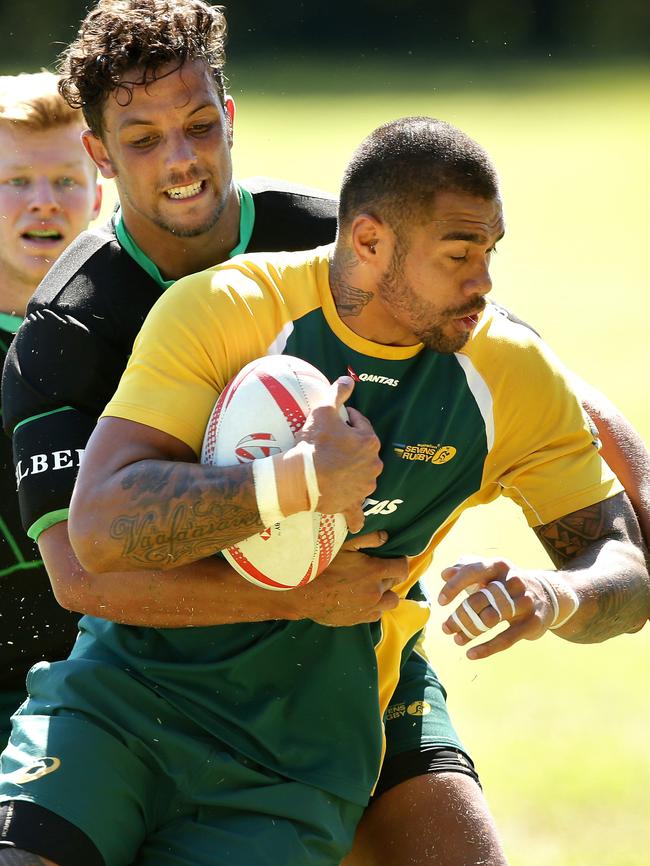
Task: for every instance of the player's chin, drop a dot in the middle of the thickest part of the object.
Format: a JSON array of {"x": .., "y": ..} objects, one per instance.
[
  {"x": 189, "y": 226},
  {"x": 446, "y": 344}
]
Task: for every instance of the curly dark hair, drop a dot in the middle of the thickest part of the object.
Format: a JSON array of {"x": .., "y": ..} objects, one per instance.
[{"x": 117, "y": 36}]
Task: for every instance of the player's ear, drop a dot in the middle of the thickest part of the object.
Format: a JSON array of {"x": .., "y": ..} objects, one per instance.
[
  {"x": 368, "y": 238},
  {"x": 95, "y": 149},
  {"x": 229, "y": 109},
  {"x": 97, "y": 204}
]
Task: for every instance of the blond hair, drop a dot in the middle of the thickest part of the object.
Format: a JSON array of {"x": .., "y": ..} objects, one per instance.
[{"x": 32, "y": 101}]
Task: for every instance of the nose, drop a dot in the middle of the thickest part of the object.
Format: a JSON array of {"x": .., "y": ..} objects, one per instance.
[
  {"x": 43, "y": 199},
  {"x": 181, "y": 156},
  {"x": 480, "y": 281}
]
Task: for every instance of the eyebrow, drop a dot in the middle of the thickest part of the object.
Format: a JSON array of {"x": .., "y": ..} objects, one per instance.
[
  {"x": 141, "y": 121},
  {"x": 471, "y": 237},
  {"x": 28, "y": 166}
]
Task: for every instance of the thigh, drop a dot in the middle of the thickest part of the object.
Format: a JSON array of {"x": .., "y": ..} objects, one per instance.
[
  {"x": 247, "y": 815},
  {"x": 440, "y": 819},
  {"x": 77, "y": 773}
]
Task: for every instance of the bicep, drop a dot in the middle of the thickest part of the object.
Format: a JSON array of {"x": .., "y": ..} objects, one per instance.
[{"x": 118, "y": 443}]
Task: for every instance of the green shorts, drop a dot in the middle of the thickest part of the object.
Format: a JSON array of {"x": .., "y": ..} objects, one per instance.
[
  {"x": 417, "y": 715},
  {"x": 142, "y": 783},
  {"x": 146, "y": 786}
]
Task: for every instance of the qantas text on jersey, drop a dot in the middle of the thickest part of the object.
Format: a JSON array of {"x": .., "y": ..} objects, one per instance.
[{"x": 372, "y": 377}]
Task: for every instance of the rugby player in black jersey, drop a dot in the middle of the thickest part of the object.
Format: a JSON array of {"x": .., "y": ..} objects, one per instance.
[
  {"x": 167, "y": 146},
  {"x": 48, "y": 194}
]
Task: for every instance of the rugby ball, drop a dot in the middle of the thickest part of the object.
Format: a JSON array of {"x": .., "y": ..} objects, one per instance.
[{"x": 258, "y": 415}]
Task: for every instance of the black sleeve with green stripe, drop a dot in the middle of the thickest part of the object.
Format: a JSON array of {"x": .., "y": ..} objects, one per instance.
[{"x": 58, "y": 376}]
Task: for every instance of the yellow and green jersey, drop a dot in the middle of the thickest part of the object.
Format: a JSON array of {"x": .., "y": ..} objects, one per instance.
[{"x": 456, "y": 430}]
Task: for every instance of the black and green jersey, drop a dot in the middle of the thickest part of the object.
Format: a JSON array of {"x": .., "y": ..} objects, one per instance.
[
  {"x": 61, "y": 370},
  {"x": 456, "y": 430},
  {"x": 32, "y": 625}
]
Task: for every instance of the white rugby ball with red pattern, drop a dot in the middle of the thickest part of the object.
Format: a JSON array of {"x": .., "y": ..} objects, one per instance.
[{"x": 258, "y": 415}]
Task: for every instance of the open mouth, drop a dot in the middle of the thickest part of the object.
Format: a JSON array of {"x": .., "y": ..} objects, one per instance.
[
  {"x": 48, "y": 236},
  {"x": 469, "y": 322},
  {"x": 190, "y": 190}
]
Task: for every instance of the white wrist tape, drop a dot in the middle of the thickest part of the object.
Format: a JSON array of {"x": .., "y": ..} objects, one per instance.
[
  {"x": 311, "y": 479},
  {"x": 567, "y": 590},
  {"x": 266, "y": 491}
]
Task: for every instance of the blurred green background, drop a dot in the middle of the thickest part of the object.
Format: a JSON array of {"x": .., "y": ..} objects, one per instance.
[{"x": 559, "y": 93}]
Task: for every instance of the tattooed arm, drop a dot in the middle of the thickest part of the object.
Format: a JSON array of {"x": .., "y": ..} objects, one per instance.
[
  {"x": 600, "y": 551},
  {"x": 141, "y": 502},
  {"x": 599, "y": 555}
]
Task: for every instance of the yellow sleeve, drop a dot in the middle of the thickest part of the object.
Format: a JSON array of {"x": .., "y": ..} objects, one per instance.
[
  {"x": 200, "y": 333},
  {"x": 545, "y": 453}
]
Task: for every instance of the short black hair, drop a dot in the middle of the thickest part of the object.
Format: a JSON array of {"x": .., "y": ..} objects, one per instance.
[{"x": 396, "y": 172}]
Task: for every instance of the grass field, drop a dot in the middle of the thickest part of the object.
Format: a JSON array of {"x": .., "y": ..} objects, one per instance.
[{"x": 560, "y": 732}]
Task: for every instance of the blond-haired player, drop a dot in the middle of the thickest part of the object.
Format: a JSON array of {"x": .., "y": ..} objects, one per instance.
[{"x": 48, "y": 195}]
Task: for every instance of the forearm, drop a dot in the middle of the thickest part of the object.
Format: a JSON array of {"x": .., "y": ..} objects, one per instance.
[
  {"x": 204, "y": 593},
  {"x": 614, "y": 594},
  {"x": 607, "y": 569},
  {"x": 141, "y": 501},
  {"x": 159, "y": 514}
]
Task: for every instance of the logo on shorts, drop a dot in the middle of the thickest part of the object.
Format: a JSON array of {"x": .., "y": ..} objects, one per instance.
[
  {"x": 395, "y": 711},
  {"x": 419, "y": 708},
  {"x": 398, "y": 711},
  {"x": 424, "y": 453},
  {"x": 41, "y": 767}
]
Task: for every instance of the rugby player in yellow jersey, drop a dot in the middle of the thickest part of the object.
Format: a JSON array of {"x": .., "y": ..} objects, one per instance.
[
  {"x": 403, "y": 289},
  {"x": 48, "y": 194},
  {"x": 350, "y": 593}
]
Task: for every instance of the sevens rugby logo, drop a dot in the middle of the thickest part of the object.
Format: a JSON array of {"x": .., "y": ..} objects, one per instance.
[
  {"x": 424, "y": 453},
  {"x": 41, "y": 767},
  {"x": 256, "y": 445}
]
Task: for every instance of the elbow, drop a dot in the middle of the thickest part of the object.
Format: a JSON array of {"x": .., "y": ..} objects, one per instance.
[
  {"x": 68, "y": 594},
  {"x": 91, "y": 546}
]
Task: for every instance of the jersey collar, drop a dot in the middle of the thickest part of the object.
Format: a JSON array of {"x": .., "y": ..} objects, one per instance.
[
  {"x": 10, "y": 323},
  {"x": 246, "y": 223}
]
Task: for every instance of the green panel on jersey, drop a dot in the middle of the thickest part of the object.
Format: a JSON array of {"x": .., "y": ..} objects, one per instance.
[{"x": 432, "y": 432}]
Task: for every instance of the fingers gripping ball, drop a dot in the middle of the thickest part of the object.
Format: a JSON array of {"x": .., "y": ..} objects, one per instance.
[{"x": 257, "y": 416}]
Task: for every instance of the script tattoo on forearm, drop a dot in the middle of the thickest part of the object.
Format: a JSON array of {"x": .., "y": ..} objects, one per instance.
[
  {"x": 571, "y": 535},
  {"x": 175, "y": 519}
]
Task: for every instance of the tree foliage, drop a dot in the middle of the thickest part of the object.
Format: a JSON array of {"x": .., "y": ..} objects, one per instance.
[{"x": 33, "y": 32}]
